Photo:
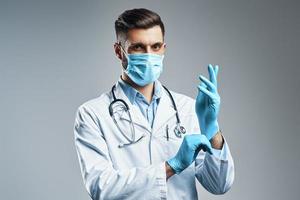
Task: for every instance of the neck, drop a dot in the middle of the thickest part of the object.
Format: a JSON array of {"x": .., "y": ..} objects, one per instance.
[{"x": 146, "y": 90}]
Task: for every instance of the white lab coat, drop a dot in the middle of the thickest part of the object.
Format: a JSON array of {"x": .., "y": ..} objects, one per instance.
[{"x": 138, "y": 171}]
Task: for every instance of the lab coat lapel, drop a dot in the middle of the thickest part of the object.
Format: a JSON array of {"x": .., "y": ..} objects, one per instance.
[
  {"x": 164, "y": 112},
  {"x": 136, "y": 115}
]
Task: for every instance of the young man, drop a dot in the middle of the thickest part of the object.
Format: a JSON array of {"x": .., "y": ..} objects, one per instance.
[{"x": 141, "y": 141}]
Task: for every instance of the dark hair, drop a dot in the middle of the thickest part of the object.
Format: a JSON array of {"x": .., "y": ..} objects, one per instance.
[{"x": 137, "y": 18}]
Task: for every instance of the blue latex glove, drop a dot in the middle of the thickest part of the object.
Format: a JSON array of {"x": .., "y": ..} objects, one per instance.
[
  {"x": 208, "y": 103},
  {"x": 188, "y": 151}
]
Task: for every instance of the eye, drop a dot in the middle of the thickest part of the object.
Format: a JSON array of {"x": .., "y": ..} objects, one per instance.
[
  {"x": 156, "y": 47},
  {"x": 137, "y": 47}
]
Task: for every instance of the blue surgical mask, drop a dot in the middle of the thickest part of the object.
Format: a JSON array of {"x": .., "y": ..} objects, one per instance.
[{"x": 144, "y": 68}]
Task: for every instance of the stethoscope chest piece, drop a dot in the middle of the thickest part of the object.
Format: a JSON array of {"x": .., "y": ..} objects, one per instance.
[{"x": 179, "y": 130}]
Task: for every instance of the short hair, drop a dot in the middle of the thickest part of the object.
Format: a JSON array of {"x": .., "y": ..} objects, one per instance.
[{"x": 137, "y": 18}]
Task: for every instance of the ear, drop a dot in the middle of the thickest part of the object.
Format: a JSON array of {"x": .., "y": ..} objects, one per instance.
[
  {"x": 118, "y": 51},
  {"x": 164, "y": 47}
]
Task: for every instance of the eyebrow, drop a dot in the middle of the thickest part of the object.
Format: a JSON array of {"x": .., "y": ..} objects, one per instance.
[{"x": 142, "y": 44}]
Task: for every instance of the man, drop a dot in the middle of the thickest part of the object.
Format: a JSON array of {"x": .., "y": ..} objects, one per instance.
[{"x": 142, "y": 141}]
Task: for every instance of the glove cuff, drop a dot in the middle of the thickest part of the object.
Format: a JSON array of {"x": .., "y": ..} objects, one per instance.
[{"x": 174, "y": 165}]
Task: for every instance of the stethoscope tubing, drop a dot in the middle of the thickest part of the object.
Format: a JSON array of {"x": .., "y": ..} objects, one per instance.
[{"x": 178, "y": 129}]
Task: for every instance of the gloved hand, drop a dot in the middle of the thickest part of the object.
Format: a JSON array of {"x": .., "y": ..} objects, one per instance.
[
  {"x": 208, "y": 103},
  {"x": 188, "y": 151}
]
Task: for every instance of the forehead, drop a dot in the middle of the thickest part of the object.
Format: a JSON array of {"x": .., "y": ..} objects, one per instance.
[{"x": 146, "y": 36}]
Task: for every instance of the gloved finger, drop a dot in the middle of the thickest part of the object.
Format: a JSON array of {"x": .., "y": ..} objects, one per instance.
[
  {"x": 216, "y": 69},
  {"x": 205, "y": 91},
  {"x": 212, "y": 75},
  {"x": 194, "y": 140},
  {"x": 203, "y": 84},
  {"x": 209, "y": 84},
  {"x": 206, "y": 146},
  {"x": 197, "y": 143}
]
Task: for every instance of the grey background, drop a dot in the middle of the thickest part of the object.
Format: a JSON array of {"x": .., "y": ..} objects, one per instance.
[{"x": 55, "y": 55}]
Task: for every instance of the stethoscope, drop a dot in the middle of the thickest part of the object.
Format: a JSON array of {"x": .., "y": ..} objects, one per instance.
[{"x": 123, "y": 106}]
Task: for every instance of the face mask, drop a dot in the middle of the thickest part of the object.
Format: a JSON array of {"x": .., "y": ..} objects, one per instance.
[{"x": 144, "y": 68}]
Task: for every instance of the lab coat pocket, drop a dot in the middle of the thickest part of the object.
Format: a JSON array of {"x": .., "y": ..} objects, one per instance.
[{"x": 170, "y": 143}]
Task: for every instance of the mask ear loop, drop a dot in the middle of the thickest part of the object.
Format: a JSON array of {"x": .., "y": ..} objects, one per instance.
[
  {"x": 126, "y": 55},
  {"x": 123, "y": 50}
]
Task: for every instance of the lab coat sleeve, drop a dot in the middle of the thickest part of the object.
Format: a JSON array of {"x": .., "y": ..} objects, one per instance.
[
  {"x": 215, "y": 172},
  {"x": 100, "y": 178}
]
